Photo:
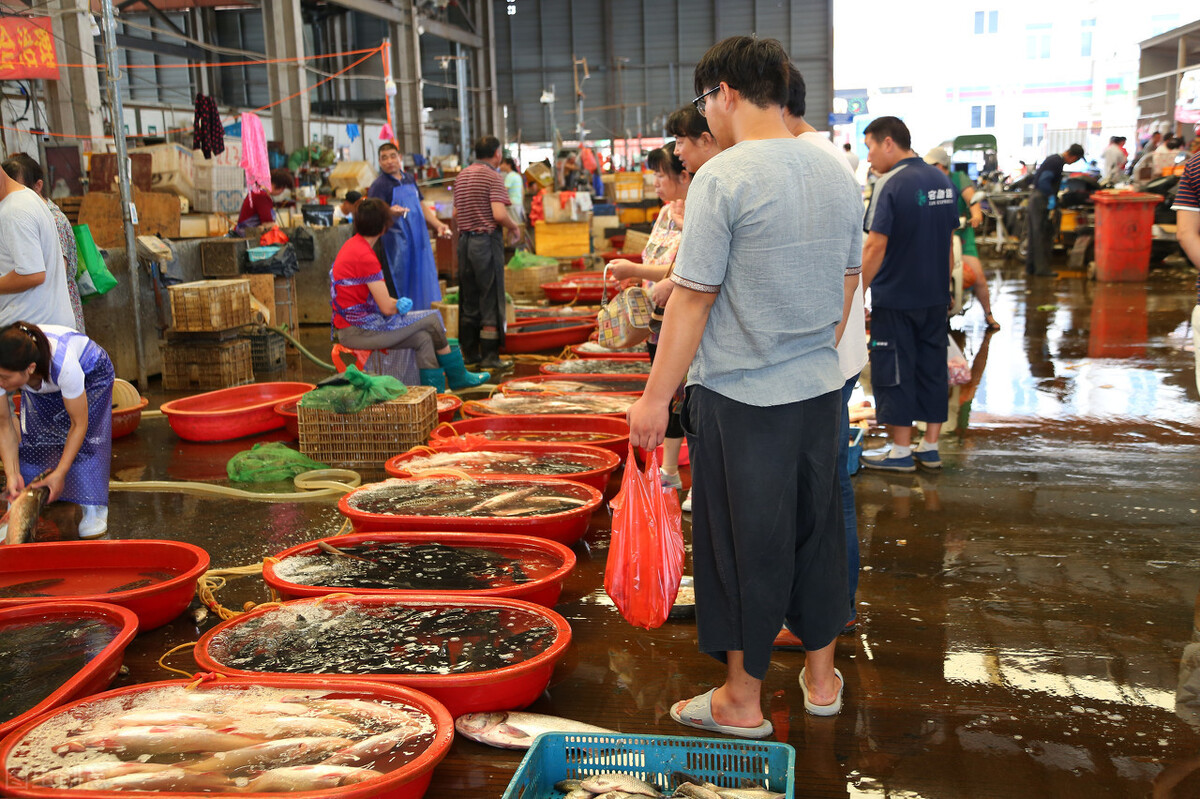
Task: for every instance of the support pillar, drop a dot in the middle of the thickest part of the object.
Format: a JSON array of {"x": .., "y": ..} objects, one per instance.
[
  {"x": 488, "y": 119},
  {"x": 74, "y": 100},
  {"x": 284, "y": 24},
  {"x": 406, "y": 67}
]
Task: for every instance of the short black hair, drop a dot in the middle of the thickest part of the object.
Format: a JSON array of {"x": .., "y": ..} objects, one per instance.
[
  {"x": 486, "y": 147},
  {"x": 387, "y": 145},
  {"x": 756, "y": 68},
  {"x": 664, "y": 158},
  {"x": 352, "y": 197},
  {"x": 686, "y": 122},
  {"x": 795, "y": 101},
  {"x": 282, "y": 179},
  {"x": 846, "y": 146},
  {"x": 24, "y": 169},
  {"x": 1075, "y": 150},
  {"x": 890, "y": 128},
  {"x": 371, "y": 217}
]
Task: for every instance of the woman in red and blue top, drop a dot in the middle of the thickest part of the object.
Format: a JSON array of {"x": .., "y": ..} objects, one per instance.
[{"x": 366, "y": 317}]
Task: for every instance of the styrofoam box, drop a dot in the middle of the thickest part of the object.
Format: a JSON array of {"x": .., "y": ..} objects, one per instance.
[
  {"x": 211, "y": 177},
  {"x": 219, "y": 201},
  {"x": 232, "y": 156},
  {"x": 171, "y": 158}
]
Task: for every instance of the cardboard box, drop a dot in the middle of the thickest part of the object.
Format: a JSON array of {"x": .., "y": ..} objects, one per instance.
[
  {"x": 352, "y": 176},
  {"x": 562, "y": 240}
]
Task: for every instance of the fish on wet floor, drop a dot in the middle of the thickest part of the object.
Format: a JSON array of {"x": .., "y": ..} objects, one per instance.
[
  {"x": 511, "y": 730},
  {"x": 20, "y": 522}
]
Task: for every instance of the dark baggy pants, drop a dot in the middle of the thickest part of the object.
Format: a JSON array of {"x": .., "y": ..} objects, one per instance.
[{"x": 481, "y": 287}]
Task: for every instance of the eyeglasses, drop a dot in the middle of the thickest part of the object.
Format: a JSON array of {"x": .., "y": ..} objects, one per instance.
[{"x": 700, "y": 102}]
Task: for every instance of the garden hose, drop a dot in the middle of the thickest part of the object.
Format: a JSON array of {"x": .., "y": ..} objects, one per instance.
[{"x": 314, "y": 484}]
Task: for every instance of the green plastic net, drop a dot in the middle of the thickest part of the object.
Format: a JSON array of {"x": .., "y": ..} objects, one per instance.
[
  {"x": 353, "y": 391},
  {"x": 523, "y": 259},
  {"x": 264, "y": 463}
]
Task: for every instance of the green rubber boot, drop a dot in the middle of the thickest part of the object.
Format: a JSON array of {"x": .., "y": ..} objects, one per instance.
[
  {"x": 457, "y": 375},
  {"x": 435, "y": 378}
]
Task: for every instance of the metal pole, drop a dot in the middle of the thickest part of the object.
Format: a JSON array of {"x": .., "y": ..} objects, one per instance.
[
  {"x": 36, "y": 97},
  {"x": 464, "y": 112},
  {"x": 128, "y": 212}
]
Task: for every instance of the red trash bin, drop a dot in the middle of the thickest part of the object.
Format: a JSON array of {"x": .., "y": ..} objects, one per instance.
[{"x": 1123, "y": 234}]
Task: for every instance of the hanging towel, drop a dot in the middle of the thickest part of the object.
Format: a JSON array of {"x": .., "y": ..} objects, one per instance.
[
  {"x": 254, "y": 154},
  {"x": 352, "y": 131},
  {"x": 386, "y": 134},
  {"x": 209, "y": 133}
]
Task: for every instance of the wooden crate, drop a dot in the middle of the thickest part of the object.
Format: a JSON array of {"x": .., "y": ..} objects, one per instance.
[
  {"x": 279, "y": 295},
  {"x": 158, "y": 215},
  {"x": 526, "y": 284},
  {"x": 204, "y": 365},
  {"x": 208, "y": 305},
  {"x": 628, "y": 187},
  {"x": 222, "y": 257},
  {"x": 368, "y": 438},
  {"x": 562, "y": 240}
]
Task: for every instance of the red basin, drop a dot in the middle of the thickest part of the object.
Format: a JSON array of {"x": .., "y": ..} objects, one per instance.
[
  {"x": 606, "y": 462},
  {"x": 632, "y": 384},
  {"x": 508, "y": 688},
  {"x": 231, "y": 412},
  {"x": 97, "y": 673},
  {"x": 126, "y": 420},
  {"x": 543, "y": 590},
  {"x": 484, "y": 408},
  {"x": 578, "y": 290},
  {"x": 89, "y": 569},
  {"x": 291, "y": 417},
  {"x": 565, "y": 527},
  {"x": 601, "y": 367},
  {"x": 410, "y": 781},
  {"x": 576, "y": 332},
  {"x": 448, "y": 405},
  {"x": 613, "y": 255},
  {"x": 634, "y": 356},
  {"x": 559, "y": 428}
]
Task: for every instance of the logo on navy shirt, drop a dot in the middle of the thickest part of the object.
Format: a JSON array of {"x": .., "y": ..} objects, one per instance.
[{"x": 935, "y": 197}]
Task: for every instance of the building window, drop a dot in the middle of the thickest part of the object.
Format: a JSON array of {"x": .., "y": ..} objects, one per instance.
[
  {"x": 976, "y": 115},
  {"x": 989, "y": 116},
  {"x": 983, "y": 116},
  {"x": 987, "y": 21},
  {"x": 1035, "y": 132},
  {"x": 1037, "y": 41},
  {"x": 1085, "y": 45}
]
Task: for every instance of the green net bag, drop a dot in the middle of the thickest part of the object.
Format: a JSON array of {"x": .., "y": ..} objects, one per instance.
[
  {"x": 353, "y": 391},
  {"x": 265, "y": 463},
  {"x": 523, "y": 259}
]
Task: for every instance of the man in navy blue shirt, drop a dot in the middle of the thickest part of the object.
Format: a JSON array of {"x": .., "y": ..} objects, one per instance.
[
  {"x": 906, "y": 264},
  {"x": 1046, "y": 181}
]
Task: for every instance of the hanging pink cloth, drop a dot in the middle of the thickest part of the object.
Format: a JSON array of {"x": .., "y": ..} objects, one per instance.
[
  {"x": 386, "y": 134},
  {"x": 254, "y": 154}
]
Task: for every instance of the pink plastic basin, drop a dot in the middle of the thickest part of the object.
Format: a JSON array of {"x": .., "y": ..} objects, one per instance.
[
  {"x": 543, "y": 590},
  {"x": 231, "y": 412},
  {"x": 89, "y": 570}
]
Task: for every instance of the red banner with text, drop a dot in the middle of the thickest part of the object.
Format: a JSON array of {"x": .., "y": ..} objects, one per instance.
[{"x": 27, "y": 48}]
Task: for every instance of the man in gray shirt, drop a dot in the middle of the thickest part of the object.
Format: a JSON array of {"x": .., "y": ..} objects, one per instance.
[
  {"x": 33, "y": 283},
  {"x": 759, "y": 289}
]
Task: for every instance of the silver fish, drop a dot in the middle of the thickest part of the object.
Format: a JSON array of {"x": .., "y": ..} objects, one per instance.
[
  {"x": 285, "y": 750},
  {"x": 101, "y": 769},
  {"x": 21, "y": 520},
  {"x": 160, "y": 740},
  {"x": 604, "y": 783},
  {"x": 746, "y": 793},
  {"x": 506, "y": 730},
  {"x": 309, "y": 778},
  {"x": 169, "y": 779},
  {"x": 693, "y": 791},
  {"x": 371, "y": 748}
]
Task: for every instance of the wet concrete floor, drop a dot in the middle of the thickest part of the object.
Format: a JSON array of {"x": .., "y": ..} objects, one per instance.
[{"x": 1028, "y": 616}]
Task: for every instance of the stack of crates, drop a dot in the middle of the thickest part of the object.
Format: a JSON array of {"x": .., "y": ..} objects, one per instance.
[{"x": 204, "y": 350}]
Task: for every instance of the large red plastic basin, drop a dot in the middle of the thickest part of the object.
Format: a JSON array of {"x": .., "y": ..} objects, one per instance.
[
  {"x": 578, "y": 290},
  {"x": 509, "y": 688},
  {"x": 89, "y": 569},
  {"x": 606, "y": 462},
  {"x": 410, "y": 781},
  {"x": 576, "y": 330},
  {"x": 291, "y": 417},
  {"x": 231, "y": 412},
  {"x": 601, "y": 367},
  {"x": 97, "y": 673},
  {"x": 619, "y": 354},
  {"x": 614, "y": 432},
  {"x": 543, "y": 590},
  {"x": 482, "y": 408},
  {"x": 625, "y": 384},
  {"x": 565, "y": 527}
]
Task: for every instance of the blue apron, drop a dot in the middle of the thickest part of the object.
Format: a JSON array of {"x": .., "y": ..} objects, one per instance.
[
  {"x": 409, "y": 255},
  {"x": 45, "y": 424},
  {"x": 366, "y": 315}
]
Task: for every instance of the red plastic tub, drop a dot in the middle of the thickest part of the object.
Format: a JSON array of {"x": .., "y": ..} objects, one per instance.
[
  {"x": 606, "y": 432},
  {"x": 613, "y": 255},
  {"x": 447, "y": 406},
  {"x": 606, "y": 462},
  {"x": 636, "y": 355},
  {"x": 97, "y": 673},
  {"x": 574, "y": 330},
  {"x": 126, "y": 420},
  {"x": 598, "y": 366},
  {"x": 578, "y": 290},
  {"x": 556, "y": 403},
  {"x": 408, "y": 781},
  {"x": 507, "y": 688},
  {"x": 608, "y": 384},
  {"x": 90, "y": 570},
  {"x": 291, "y": 417},
  {"x": 565, "y": 527},
  {"x": 543, "y": 590},
  {"x": 231, "y": 412}
]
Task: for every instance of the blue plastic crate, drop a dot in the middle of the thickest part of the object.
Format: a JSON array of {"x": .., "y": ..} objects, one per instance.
[
  {"x": 855, "y": 452},
  {"x": 558, "y": 756}
]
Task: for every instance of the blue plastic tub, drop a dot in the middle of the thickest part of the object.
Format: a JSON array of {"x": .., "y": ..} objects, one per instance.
[
  {"x": 558, "y": 756},
  {"x": 856, "y": 450}
]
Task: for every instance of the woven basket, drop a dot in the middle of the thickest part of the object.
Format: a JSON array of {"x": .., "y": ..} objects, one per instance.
[
  {"x": 125, "y": 395},
  {"x": 206, "y": 365},
  {"x": 210, "y": 305},
  {"x": 526, "y": 283},
  {"x": 366, "y": 439}
]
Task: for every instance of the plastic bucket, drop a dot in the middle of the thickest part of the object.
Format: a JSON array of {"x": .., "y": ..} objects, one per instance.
[{"x": 1124, "y": 235}]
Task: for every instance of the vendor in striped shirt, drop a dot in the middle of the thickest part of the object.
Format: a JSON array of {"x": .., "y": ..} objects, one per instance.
[
  {"x": 480, "y": 210},
  {"x": 1187, "y": 230}
]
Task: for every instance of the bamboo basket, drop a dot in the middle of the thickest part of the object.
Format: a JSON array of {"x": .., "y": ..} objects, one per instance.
[
  {"x": 526, "y": 284},
  {"x": 206, "y": 365},
  {"x": 366, "y": 439},
  {"x": 210, "y": 305}
]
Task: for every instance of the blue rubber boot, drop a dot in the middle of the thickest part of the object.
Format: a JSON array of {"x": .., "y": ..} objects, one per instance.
[
  {"x": 457, "y": 375},
  {"x": 435, "y": 378}
]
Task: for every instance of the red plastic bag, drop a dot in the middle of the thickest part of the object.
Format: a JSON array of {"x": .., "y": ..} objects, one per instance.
[
  {"x": 273, "y": 236},
  {"x": 645, "y": 556}
]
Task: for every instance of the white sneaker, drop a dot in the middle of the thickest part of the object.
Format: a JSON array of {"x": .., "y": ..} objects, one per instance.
[
  {"x": 686, "y": 505},
  {"x": 670, "y": 480},
  {"x": 94, "y": 522}
]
